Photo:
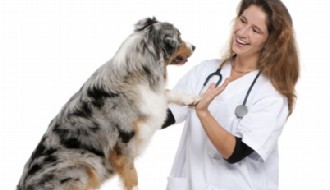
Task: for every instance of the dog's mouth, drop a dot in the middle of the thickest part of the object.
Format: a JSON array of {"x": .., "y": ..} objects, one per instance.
[
  {"x": 182, "y": 55},
  {"x": 180, "y": 60}
]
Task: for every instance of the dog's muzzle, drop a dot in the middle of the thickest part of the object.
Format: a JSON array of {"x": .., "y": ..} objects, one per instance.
[{"x": 182, "y": 54}]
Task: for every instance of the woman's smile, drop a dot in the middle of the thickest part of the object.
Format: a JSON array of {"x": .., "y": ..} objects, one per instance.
[{"x": 240, "y": 42}]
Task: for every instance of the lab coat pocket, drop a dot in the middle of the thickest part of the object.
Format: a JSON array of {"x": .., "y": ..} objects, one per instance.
[
  {"x": 211, "y": 187},
  {"x": 175, "y": 183}
]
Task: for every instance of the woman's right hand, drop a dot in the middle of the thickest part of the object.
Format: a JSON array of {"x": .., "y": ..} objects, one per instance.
[{"x": 208, "y": 96}]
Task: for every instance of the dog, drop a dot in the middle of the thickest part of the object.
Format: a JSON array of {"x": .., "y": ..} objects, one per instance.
[{"x": 110, "y": 120}]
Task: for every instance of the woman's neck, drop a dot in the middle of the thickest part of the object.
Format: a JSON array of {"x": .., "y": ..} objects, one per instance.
[{"x": 244, "y": 66}]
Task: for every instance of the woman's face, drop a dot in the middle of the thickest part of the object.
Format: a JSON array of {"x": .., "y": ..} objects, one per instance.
[{"x": 250, "y": 32}]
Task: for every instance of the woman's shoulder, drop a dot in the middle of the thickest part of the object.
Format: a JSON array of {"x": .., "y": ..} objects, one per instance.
[{"x": 267, "y": 89}]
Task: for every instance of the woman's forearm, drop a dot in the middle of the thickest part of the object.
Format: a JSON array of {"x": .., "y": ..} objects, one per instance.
[{"x": 223, "y": 141}]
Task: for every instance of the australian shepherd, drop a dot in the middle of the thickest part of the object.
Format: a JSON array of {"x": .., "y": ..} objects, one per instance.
[{"x": 109, "y": 121}]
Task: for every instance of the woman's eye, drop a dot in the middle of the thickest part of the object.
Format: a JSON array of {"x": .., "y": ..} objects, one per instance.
[
  {"x": 256, "y": 31},
  {"x": 242, "y": 20}
]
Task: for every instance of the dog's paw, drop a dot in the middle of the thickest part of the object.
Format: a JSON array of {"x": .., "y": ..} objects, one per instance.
[
  {"x": 182, "y": 99},
  {"x": 187, "y": 100},
  {"x": 191, "y": 100}
]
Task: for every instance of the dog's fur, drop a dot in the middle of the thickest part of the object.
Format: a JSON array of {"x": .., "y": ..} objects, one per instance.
[{"x": 108, "y": 122}]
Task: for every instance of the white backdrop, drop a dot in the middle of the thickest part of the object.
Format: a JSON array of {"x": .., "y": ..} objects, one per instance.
[{"x": 49, "y": 48}]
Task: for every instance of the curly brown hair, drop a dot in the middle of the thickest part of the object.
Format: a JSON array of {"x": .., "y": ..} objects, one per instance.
[{"x": 279, "y": 59}]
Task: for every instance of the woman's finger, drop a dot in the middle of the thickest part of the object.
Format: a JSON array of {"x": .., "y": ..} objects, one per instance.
[{"x": 221, "y": 88}]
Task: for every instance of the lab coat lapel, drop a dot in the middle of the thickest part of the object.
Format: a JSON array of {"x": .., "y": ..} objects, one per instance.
[{"x": 238, "y": 86}]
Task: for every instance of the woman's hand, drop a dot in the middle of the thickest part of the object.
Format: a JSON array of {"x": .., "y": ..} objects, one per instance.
[
  {"x": 222, "y": 140},
  {"x": 208, "y": 96}
]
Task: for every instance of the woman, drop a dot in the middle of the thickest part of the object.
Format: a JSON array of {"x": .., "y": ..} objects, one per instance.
[{"x": 230, "y": 139}]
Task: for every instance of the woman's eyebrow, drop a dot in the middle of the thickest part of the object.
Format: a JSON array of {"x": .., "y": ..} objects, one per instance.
[
  {"x": 243, "y": 17},
  {"x": 253, "y": 25}
]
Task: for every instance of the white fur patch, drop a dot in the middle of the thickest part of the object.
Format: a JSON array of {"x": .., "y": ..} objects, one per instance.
[
  {"x": 189, "y": 45},
  {"x": 153, "y": 105}
]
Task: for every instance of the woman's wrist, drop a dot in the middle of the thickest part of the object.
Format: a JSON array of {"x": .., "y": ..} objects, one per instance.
[{"x": 202, "y": 113}]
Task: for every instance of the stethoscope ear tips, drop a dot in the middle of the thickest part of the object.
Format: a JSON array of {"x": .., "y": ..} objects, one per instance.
[{"x": 241, "y": 111}]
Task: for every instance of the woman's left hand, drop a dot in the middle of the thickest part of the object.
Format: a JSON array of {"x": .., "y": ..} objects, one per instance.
[{"x": 208, "y": 96}]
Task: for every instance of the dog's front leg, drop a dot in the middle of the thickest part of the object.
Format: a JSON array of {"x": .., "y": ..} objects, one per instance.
[
  {"x": 124, "y": 167},
  {"x": 182, "y": 99}
]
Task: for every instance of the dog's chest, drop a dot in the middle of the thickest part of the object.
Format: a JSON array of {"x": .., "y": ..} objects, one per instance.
[{"x": 153, "y": 106}]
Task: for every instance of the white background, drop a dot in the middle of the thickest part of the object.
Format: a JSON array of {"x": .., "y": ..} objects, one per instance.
[{"x": 49, "y": 48}]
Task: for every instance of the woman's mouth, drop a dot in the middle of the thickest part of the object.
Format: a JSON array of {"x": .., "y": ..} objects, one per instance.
[{"x": 241, "y": 42}]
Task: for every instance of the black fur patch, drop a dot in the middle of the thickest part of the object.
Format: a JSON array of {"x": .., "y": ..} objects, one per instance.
[
  {"x": 50, "y": 158},
  {"x": 39, "y": 150},
  {"x": 46, "y": 178},
  {"x": 83, "y": 111},
  {"x": 41, "y": 183},
  {"x": 144, "y": 24},
  {"x": 34, "y": 169},
  {"x": 125, "y": 136},
  {"x": 60, "y": 131},
  {"x": 146, "y": 70},
  {"x": 65, "y": 180},
  {"x": 74, "y": 142},
  {"x": 98, "y": 95},
  {"x": 170, "y": 120},
  {"x": 42, "y": 150}
]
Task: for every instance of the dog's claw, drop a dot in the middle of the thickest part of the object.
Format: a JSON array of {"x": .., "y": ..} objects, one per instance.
[
  {"x": 191, "y": 100},
  {"x": 194, "y": 101}
]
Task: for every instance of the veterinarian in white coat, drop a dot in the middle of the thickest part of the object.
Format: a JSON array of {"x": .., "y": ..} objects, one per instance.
[{"x": 230, "y": 138}]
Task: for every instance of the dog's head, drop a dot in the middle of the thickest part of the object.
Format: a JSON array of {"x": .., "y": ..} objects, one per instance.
[{"x": 164, "y": 40}]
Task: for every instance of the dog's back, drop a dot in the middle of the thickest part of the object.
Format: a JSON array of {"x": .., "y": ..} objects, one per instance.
[{"x": 106, "y": 124}]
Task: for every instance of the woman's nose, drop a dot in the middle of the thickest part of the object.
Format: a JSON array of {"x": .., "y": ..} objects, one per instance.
[{"x": 243, "y": 31}]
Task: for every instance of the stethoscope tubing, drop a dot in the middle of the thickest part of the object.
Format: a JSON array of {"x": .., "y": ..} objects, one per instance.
[
  {"x": 241, "y": 110},
  {"x": 250, "y": 88},
  {"x": 217, "y": 72}
]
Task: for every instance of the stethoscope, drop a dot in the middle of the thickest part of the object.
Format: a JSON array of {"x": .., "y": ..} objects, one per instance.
[{"x": 241, "y": 110}]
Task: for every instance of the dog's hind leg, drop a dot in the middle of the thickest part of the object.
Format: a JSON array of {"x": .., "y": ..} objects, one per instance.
[
  {"x": 87, "y": 180},
  {"x": 75, "y": 175},
  {"x": 124, "y": 167}
]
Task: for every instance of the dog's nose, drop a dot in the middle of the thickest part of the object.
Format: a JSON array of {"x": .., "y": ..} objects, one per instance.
[{"x": 193, "y": 48}]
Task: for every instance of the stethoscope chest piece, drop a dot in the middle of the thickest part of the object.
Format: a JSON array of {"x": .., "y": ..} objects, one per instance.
[{"x": 241, "y": 111}]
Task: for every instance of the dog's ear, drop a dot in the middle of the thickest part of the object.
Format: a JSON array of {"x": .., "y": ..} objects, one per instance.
[
  {"x": 144, "y": 23},
  {"x": 171, "y": 42}
]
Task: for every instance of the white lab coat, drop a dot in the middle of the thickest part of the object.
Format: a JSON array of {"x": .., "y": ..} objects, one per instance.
[{"x": 198, "y": 165}]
